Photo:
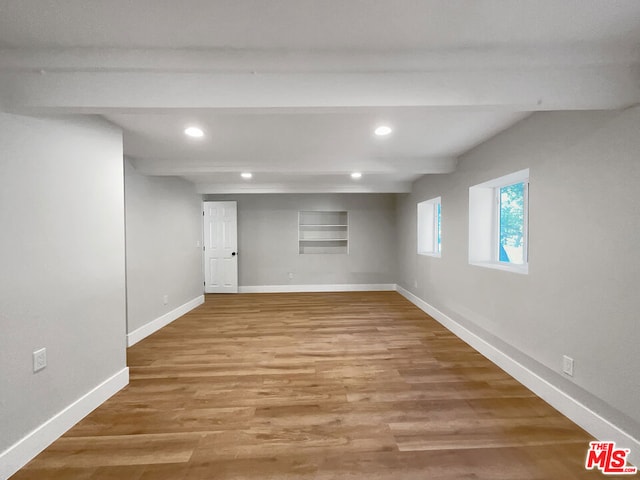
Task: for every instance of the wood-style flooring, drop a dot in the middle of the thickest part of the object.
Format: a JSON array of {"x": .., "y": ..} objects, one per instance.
[{"x": 315, "y": 386}]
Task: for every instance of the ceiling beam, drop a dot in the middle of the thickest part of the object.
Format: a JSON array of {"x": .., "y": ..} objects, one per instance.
[
  {"x": 386, "y": 187},
  {"x": 532, "y": 89},
  {"x": 330, "y": 166},
  {"x": 231, "y": 60}
]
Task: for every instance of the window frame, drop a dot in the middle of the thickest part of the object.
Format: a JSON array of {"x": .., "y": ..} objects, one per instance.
[
  {"x": 484, "y": 223},
  {"x": 428, "y": 232}
]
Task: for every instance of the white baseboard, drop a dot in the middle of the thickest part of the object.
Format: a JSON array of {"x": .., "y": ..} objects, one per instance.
[
  {"x": 19, "y": 454},
  {"x": 352, "y": 287},
  {"x": 155, "y": 325},
  {"x": 592, "y": 422}
]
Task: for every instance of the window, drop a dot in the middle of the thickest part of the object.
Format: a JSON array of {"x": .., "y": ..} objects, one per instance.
[
  {"x": 498, "y": 223},
  {"x": 511, "y": 242},
  {"x": 430, "y": 227}
]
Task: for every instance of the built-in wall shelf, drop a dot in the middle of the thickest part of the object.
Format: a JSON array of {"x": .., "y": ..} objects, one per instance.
[{"x": 324, "y": 232}]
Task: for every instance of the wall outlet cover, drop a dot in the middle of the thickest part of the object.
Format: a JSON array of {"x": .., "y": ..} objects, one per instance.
[
  {"x": 39, "y": 359},
  {"x": 567, "y": 365}
]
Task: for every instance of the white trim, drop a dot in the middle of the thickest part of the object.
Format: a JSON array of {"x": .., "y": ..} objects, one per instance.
[
  {"x": 427, "y": 227},
  {"x": 355, "y": 287},
  {"x": 431, "y": 254},
  {"x": 592, "y": 422},
  {"x": 506, "y": 180},
  {"x": 155, "y": 325},
  {"x": 507, "y": 267},
  {"x": 23, "y": 451}
]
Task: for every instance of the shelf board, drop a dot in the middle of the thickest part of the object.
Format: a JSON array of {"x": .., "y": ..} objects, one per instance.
[
  {"x": 320, "y": 225},
  {"x": 323, "y": 240},
  {"x": 317, "y": 231}
]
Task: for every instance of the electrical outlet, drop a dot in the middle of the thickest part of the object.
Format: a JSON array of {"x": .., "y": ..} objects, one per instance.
[
  {"x": 198, "y": 243},
  {"x": 415, "y": 284},
  {"x": 567, "y": 365},
  {"x": 39, "y": 359},
  {"x": 165, "y": 299},
  {"x": 290, "y": 275}
]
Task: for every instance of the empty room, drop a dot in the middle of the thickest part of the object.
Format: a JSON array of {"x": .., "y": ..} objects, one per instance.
[{"x": 303, "y": 239}]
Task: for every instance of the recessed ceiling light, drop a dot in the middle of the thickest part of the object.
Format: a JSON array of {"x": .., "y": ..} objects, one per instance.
[
  {"x": 194, "y": 132},
  {"x": 246, "y": 175},
  {"x": 382, "y": 130},
  {"x": 356, "y": 175}
]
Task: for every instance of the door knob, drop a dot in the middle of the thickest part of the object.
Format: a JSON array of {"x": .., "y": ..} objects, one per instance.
[{"x": 233, "y": 254}]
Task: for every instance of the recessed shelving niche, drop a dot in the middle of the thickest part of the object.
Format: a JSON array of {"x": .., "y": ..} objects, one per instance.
[{"x": 324, "y": 232}]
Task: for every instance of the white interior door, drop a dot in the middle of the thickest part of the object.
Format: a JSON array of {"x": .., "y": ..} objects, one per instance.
[{"x": 220, "y": 247}]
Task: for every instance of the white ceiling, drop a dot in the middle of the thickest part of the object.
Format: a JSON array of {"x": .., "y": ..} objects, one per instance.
[
  {"x": 303, "y": 149},
  {"x": 315, "y": 24},
  {"x": 292, "y": 89}
]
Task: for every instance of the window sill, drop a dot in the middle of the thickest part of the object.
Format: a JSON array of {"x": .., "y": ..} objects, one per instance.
[
  {"x": 430, "y": 254},
  {"x": 521, "y": 269}
]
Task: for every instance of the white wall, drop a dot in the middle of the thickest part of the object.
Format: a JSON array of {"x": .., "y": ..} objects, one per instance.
[
  {"x": 62, "y": 265},
  {"x": 580, "y": 297},
  {"x": 268, "y": 240},
  {"x": 164, "y": 222},
  {"x": 62, "y": 255}
]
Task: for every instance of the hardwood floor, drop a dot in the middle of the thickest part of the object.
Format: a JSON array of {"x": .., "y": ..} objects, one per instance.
[{"x": 315, "y": 386}]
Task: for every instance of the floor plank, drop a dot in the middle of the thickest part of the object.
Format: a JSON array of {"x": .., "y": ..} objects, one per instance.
[{"x": 315, "y": 386}]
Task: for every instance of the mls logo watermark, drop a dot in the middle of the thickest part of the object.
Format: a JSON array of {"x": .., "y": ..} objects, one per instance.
[{"x": 608, "y": 459}]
